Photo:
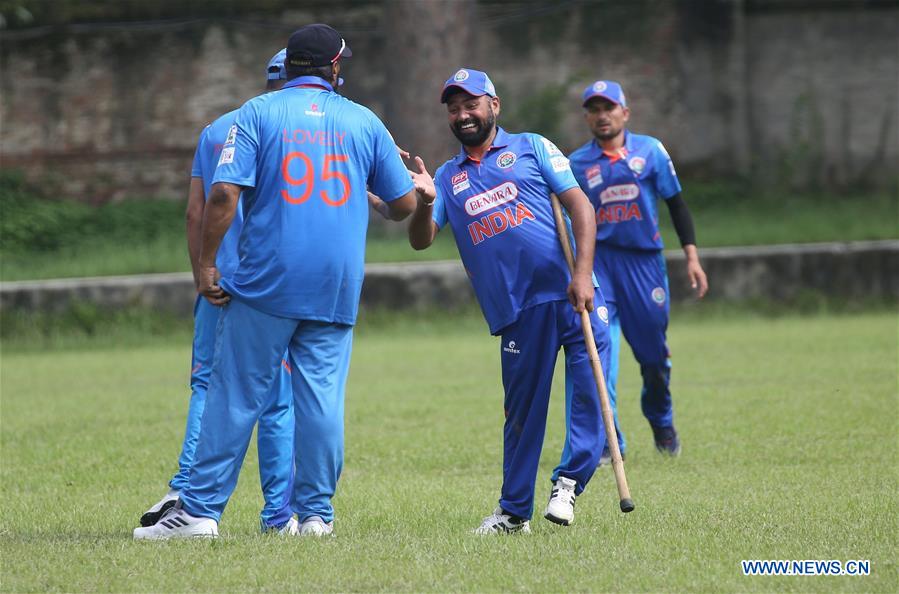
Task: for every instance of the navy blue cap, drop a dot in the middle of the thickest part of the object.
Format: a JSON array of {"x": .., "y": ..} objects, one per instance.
[
  {"x": 473, "y": 82},
  {"x": 606, "y": 89},
  {"x": 316, "y": 45}
]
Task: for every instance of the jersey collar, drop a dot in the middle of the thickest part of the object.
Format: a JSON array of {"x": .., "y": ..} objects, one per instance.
[
  {"x": 501, "y": 140},
  {"x": 618, "y": 154},
  {"x": 312, "y": 81}
]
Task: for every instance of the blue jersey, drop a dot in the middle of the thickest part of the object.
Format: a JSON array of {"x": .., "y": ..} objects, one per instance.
[
  {"x": 625, "y": 189},
  {"x": 209, "y": 147},
  {"x": 501, "y": 215},
  {"x": 305, "y": 155}
]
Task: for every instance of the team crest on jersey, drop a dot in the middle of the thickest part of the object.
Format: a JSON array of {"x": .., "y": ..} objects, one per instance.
[
  {"x": 505, "y": 160},
  {"x": 603, "y": 313},
  {"x": 460, "y": 182},
  {"x": 594, "y": 176},
  {"x": 460, "y": 75},
  {"x": 658, "y": 295},
  {"x": 227, "y": 155},
  {"x": 599, "y": 87},
  {"x": 232, "y": 135},
  {"x": 637, "y": 164}
]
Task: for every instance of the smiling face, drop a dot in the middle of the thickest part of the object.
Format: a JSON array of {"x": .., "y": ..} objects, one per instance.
[
  {"x": 605, "y": 118},
  {"x": 472, "y": 119}
]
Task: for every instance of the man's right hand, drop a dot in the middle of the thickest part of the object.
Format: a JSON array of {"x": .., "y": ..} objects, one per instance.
[
  {"x": 423, "y": 182},
  {"x": 209, "y": 288}
]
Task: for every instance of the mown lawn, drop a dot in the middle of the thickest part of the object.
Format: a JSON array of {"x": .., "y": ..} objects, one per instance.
[{"x": 789, "y": 429}]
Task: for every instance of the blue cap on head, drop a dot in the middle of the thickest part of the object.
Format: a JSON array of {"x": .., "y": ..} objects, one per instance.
[
  {"x": 473, "y": 82},
  {"x": 606, "y": 89},
  {"x": 276, "y": 69}
]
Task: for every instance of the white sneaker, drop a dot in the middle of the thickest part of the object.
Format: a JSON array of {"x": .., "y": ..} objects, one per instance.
[
  {"x": 315, "y": 526},
  {"x": 499, "y": 522},
  {"x": 177, "y": 523},
  {"x": 291, "y": 528},
  {"x": 152, "y": 515},
  {"x": 560, "y": 508}
]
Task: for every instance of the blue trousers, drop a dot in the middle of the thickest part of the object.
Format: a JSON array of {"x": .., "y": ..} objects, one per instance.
[
  {"x": 635, "y": 285},
  {"x": 529, "y": 348},
  {"x": 275, "y": 433},
  {"x": 249, "y": 347}
]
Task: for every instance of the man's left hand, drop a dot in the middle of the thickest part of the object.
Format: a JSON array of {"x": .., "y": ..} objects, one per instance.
[
  {"x": 209, "y": 288},
  {"x": 580, "y": 293}
]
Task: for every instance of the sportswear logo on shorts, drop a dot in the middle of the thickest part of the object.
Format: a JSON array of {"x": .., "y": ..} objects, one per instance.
[
  {"x": 658, "y": 295},
  {"x": 599, "y": 87},
  {"x": 505, "y": 160},
  {"x": 460, "y": 75},
  {"x": 603, "y": 313},
  {"x": 511, "y": 348},
  {"x": 637, "y": 164}
]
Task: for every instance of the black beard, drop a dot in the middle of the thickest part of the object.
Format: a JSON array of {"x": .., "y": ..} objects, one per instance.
[{"x": 479, "y": 135}]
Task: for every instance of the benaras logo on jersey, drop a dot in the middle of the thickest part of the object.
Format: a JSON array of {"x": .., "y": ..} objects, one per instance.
[
  {"x": 505, "y": 160},
  {"x": 460, "y": 182},
  {"x": 492, "y": 198},
  {"x": 621, "y": 193}
]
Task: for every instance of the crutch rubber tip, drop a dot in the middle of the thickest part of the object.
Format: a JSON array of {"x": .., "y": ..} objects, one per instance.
[{"x": 627, "y": 505}]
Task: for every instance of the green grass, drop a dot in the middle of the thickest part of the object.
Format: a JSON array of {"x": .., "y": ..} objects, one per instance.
[
  {"x": 789, "y": 428},
  {"x": 40, "y": 239}
]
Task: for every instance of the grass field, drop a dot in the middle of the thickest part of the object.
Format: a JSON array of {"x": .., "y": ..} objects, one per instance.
[{"x": 789, "y": 427}]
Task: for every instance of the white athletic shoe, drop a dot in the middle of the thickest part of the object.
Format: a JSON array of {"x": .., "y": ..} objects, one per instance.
[
  {"x": 499, "y": 522},
  {"x": 315, "y": 526},
  {"x": 177, "y": 523},
  {"x": 152, "y": 515},
  {"x": 291, "y": 528},
  {"x": 560, "y": 508}
]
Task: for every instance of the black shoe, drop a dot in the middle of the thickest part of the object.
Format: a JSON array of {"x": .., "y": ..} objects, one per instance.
[{"x": 667, "y": 441}]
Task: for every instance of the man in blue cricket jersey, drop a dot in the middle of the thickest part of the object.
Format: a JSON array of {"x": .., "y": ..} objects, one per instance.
[
  {"x": 495, "y": 194},
  {"x": 275, "y": 434},
  {"x": 302, "y": 157},
  {"x": 625, "y": 175}
]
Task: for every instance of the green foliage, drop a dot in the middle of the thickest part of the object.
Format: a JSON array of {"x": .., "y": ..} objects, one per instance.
[
  {"x": 540, "y": 112},
  {"x": 32, "y": 223},
  {"x": 788, "y": 426}
]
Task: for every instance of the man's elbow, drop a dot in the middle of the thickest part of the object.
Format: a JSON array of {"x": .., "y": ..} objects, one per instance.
[{"x": 402, "y": 207}]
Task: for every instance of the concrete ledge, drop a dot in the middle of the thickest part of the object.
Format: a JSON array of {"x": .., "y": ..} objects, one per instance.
[{"x": 851, "y": 271}]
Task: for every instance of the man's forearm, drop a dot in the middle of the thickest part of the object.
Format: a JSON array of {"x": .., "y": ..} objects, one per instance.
[
  {"x": 217, "y": 217},
  {"x": 421, "y": 226},
  {"x": 194, "y": 219}
]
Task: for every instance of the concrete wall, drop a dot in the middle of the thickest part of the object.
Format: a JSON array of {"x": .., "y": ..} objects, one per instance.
[
  {"x": 864, "y": 271},
  {"x": 806, "y": 96}
]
